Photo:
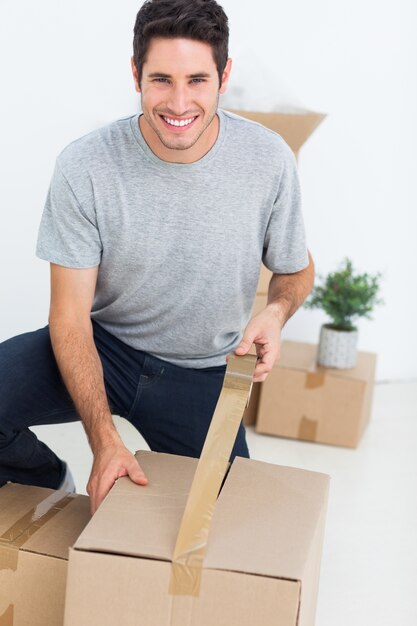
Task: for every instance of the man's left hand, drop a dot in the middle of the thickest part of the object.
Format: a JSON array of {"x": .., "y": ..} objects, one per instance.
[{"x": 264, "y": 330}]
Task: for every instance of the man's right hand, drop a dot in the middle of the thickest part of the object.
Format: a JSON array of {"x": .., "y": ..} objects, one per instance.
[{"x": 110, "y": 463}]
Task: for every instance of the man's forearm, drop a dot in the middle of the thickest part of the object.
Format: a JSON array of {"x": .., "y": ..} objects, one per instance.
[
  {"x": 81, "y": 370},
  {"x": 287, "y": 292}
]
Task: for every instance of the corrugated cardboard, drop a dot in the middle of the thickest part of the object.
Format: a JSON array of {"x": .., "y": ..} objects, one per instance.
[
  {"x": 261, "y": 567},
  {"x": 295, "y": 127},
  {"x": 265, "y": 276},
  {"x": 37, "y": 526},
  {"x": 302, "y": 400}
]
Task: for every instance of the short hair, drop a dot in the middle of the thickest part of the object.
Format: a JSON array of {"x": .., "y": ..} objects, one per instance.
[{"x": 201, "y": 20}]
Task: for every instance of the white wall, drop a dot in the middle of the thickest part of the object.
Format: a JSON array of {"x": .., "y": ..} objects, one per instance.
[{"x": 65, "y": 70}]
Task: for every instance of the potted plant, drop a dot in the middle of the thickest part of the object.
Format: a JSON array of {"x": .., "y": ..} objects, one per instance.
[{"x": 344, "y": 296}]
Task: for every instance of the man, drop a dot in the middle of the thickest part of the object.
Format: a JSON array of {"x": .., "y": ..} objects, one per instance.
[{"x": 155, "y": 227}]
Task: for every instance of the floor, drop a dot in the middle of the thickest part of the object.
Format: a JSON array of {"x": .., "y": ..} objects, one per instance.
[{"x": 369, "y": 566}]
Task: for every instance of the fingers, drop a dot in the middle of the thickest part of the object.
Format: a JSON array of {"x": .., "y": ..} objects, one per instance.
[
  {"x": 247, "y": 340},
  {"x": 109, "y": 465},
  {"x": 104, "y": 485},
  {"x": 266, "y": 359},
  {"x": 268, "y": 354},
  {"x": 243, "y": 347},
  {"x": 136, "y": 473}
]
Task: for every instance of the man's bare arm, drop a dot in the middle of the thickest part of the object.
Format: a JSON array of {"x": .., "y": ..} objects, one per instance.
[
  {"x": 72, "y": 292},
  {"x": 285, "y": 295},
  {"x": 287, "y": 292},
  {"x": 71, "y": 333}
]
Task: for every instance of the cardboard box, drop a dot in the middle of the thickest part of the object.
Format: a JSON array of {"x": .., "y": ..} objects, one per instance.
[
  {"x": 295, "y": 127},
  {"x": 37, "y": 526},
  {"x": 260, "y": 302},
  {"x": 261, "y": 567},
  {"x": 265, "y": 276},
  {"x": 302, "y": 400}
]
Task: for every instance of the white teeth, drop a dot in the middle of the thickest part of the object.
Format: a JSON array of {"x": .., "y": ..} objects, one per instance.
[{"x": 178, "y": 122}]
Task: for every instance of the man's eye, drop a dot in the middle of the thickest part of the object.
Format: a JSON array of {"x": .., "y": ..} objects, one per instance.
[
  {"x": 197, "y": 80},
  {"x": 160, "y": 80}
]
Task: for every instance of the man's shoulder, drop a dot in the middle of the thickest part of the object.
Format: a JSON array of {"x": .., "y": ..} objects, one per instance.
[
  {"x": 95, "y": 145},
  {"x": 249, "y": 130},
  {"x": 254, "y": 138}
]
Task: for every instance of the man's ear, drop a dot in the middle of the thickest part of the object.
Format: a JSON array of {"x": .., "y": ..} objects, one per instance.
[
  {"x": 225, "y": 76},
  {"x": 135, "y": 74}
]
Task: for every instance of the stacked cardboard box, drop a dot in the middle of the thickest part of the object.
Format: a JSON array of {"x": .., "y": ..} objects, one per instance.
[
  {"x": 295, "y": 126},
  {"x": 261, "y": 567},
  {"x": 302, "y": 400},
  {"x": 37, "y": 526}
]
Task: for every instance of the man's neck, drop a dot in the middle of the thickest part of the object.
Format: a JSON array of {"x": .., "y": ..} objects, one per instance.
[{"x": 196, "y": 152}]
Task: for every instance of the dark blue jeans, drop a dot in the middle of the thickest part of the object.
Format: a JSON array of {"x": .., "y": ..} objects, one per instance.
[{"x": 170, "y": 406}]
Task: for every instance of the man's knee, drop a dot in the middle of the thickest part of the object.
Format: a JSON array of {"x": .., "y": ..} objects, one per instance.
[{"x": 24, "y": 363}]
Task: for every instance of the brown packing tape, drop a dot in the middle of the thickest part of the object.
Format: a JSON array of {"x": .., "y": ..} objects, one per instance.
[
  {"x": 8, "y": 556},
  {"x": 192, "y": 537},
  {"x": 7, "y": 618},
  {"x": 23, "y": 529},
  {"x": 307, "y": 429},
  {"x": 314, "y": 379},
  {"x": 182, "y": 611}
]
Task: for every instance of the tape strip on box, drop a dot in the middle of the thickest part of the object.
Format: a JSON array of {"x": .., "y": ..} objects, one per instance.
[
  {"x": 19, "y": 532},
  {"x": 307, "y": 429},
  {"x": 7, "y": 618},
  {"x": 314, "y": 379},
  {"x": 192, "y": 537}
]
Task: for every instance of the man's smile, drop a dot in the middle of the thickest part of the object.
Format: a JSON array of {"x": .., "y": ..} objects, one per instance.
[{"x": 177, "y": 124}]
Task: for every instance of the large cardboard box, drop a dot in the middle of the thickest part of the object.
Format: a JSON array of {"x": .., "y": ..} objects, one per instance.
[
  {"x": 295, "y": 126},
  {"x": 302, "y": 400},
  {"x": 37, "y": 526},
  {"x": 261, "y": 566},
  {"x": 265, "y": 276}
]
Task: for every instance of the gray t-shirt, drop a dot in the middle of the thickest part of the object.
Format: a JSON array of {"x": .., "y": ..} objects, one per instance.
[{"x": 179, "y": 246}]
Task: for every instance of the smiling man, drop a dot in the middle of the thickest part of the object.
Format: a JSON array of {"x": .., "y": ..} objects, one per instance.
[
  {"x": 155, "y": 227},
  {"x": 180, "y": 107}
]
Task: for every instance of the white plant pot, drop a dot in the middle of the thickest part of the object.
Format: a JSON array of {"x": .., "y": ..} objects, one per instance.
[{"x": 337, "y": 348}]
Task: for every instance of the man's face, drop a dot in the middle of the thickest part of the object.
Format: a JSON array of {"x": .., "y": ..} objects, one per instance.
[{"x": 179, "y": 94}]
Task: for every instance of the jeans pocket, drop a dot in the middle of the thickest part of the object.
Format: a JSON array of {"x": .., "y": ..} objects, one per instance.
[{"x": 149, "y": 377}]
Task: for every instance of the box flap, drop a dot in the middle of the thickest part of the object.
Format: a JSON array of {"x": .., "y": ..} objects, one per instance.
[
  {"x": 265, "y": 519},
  {"x": 26, "y": 504},
  {"x": 143, "y": 520},
  {"x": 295, "y": 127},
  {"x": 302, "y": 356}
]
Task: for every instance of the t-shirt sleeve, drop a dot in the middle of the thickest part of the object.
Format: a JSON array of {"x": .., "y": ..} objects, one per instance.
[
  {"x": 285, "y": 248},
  {"x": 68, "y": 233}
]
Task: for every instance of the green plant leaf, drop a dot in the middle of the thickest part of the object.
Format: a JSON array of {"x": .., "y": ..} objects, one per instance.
[{"x": 344, "y": 296}]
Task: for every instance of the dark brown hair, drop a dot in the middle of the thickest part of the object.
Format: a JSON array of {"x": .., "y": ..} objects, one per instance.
[{"x": 202, "y": 20}]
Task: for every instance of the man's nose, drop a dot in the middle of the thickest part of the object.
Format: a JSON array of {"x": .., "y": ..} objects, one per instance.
[{"x": 178, "y": 101}]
